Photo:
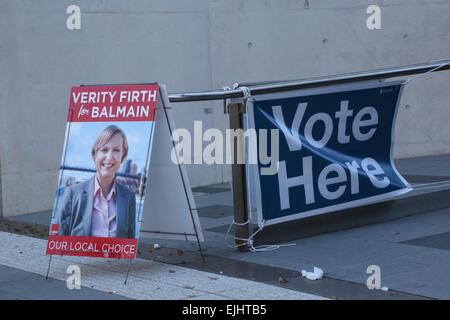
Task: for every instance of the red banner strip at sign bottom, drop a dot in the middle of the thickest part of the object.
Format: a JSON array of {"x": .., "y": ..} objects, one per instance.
[{"x": 116, "y": 248}]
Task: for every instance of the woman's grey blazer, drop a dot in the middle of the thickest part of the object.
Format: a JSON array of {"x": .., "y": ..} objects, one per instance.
[{"x": 75, "y": 206}]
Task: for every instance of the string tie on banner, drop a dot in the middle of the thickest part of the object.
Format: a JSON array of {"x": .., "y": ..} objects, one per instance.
[
  {"x": 245, "y": 90},
  {"x": 247, "y": 94},
  {"x": 250, "y": 241}
]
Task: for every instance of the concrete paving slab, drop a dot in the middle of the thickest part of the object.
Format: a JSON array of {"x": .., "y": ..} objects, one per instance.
[
  {"x": 10, "y": 296},
  {"x": 437, "y": 241},
  {"x": 211, "y": 189},
  {"x": 222, "y": 198},
  {"x": 428, "y": 165},
  {"x": 215, "y": 211},
  {"x": 40, "y": 218},
  {"x": 9, "y": 275},
  {"x": 428, "y": 281},
  {"x": 19, "y": 284},
  {"x": 260, "y": 291},
  {"x": 211, "y": 297}
]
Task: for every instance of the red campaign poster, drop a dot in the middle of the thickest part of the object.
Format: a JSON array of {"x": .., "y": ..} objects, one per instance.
[{"x": 100, "y": 196}]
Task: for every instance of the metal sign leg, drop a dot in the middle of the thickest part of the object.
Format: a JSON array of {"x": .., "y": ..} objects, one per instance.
[
  {"x": 128, "y": 272},
  {"x": 48, "y": 269}
]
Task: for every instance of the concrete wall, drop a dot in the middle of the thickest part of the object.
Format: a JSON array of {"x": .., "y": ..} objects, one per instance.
[{"x": 194, "y": 45}]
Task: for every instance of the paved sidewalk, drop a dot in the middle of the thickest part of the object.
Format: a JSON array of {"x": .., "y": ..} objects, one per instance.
[
  {"x": 411, "y": 246},
  {"x": 104, "y": 278},
  {"x": 17, "y": 284}
]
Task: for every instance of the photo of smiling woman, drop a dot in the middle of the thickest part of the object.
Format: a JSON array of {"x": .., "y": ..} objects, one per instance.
[{"x": 100, "y": 206}]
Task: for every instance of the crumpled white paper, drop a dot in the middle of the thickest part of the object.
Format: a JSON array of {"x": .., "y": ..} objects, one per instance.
[{"x": 317, "y": 274}]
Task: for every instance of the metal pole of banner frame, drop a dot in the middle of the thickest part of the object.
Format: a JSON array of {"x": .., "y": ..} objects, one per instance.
[
  {"x": 235, "y": 112},
  {"x": 287, "y": 85}
]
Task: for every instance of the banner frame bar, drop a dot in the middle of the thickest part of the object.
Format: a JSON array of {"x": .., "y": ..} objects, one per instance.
[{"x": 257, "y": 88}]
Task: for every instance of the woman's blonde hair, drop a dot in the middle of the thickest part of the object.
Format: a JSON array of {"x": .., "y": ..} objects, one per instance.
[{"x": 106, "y": 135}]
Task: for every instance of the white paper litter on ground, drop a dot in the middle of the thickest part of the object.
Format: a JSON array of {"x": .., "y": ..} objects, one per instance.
[
  {"x": 156, "y": 246},
  {"x": 315, "y": 275}
]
